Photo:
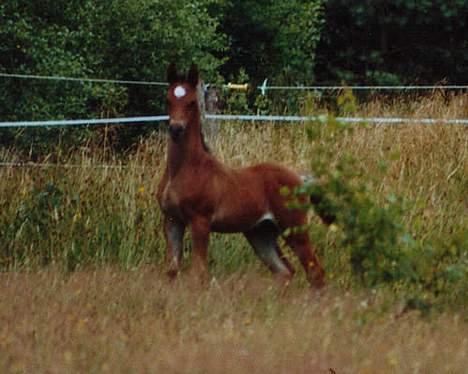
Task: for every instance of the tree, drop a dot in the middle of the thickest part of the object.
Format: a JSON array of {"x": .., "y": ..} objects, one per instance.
[
  {"x": 273, "y": 39},
  {"x": 117, "y": 39},
  {"x": 391, "y": 42}
]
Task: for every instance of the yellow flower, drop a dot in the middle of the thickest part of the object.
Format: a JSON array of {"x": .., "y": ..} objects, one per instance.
[{"x": 76, "y": 217}]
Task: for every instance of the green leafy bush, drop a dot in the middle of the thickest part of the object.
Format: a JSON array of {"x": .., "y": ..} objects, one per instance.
[
  {"x": 370, "y": 230},
  {"x": 114, "y": 39}
]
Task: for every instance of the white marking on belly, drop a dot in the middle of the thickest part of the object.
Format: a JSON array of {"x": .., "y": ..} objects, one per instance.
[
  {"x": 268, "y": 216},
  {"x": 179, "y": 92},
  {"x": 308, "y": 179}
]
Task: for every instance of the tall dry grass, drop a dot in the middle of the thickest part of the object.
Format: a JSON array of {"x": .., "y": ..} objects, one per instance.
[
  {"x": 81, "y": 249},
  {"x": 88, "y": 210},
  {"x": 108, "y": 320}
]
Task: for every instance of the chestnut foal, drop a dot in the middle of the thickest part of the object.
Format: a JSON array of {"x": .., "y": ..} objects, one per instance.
[{"x": 200, "y": 192}]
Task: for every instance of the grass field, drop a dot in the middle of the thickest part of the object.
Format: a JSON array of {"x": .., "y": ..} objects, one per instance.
[
  {"x": 83, "y": 290},
  {"x": 109, "y": 320}
]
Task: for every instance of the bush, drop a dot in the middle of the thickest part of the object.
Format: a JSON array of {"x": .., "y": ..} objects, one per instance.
[{"x": 372, "y": 233}]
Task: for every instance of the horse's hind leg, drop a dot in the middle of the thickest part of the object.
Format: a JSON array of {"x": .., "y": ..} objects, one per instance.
[
  {"x": 263, "y": 239},
  {"x": 174, "y": 233},
  {"x": 300, "y": 244}
]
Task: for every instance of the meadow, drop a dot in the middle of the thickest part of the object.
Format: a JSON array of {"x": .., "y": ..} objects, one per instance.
[{"x": 81, "y": 252}]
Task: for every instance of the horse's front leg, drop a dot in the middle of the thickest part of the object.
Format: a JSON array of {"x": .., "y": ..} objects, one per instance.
[
  {"x": 174, "y": 233},
  {"x": 200, "y": 228}
]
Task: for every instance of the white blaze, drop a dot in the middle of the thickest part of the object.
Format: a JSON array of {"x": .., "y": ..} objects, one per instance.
[{"x": 179, "y": 92}]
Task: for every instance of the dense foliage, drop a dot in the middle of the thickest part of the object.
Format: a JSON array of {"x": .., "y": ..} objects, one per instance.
[
  {"x": 130, "y": 40},
  {"x": 392, "y": 42},
  {"x": 288, "y": 42},
  {"x": 274, "y": 39},
  {"x": 133, "y": 40}
]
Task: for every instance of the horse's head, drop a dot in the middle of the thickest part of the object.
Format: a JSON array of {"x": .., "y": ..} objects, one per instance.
[{"x": 182, "y": 104}]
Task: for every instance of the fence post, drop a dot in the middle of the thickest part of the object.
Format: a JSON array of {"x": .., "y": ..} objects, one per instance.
[
  {"x": 208, "y": 103},
  {"x": 201, "y": 100}
]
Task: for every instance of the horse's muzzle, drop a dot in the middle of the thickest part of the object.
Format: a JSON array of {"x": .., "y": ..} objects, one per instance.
[{"x": 176, "y": 131}]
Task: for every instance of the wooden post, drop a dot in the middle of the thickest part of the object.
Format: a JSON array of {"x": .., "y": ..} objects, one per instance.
[
  {"x": 208, "y": 103},
  {"x": 201, "y": 99}
]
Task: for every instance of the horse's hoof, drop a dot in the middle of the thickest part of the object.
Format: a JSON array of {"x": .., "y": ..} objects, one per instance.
[
  {"x": 173, "y": 274},
  {"x": 319, "y": 292}
]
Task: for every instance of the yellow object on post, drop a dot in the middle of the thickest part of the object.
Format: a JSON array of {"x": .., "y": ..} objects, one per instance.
[{"x": 238, "y": 87}]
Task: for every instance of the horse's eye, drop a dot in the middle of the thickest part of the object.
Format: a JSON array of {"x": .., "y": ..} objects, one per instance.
[{"x": 168, "y": 103}]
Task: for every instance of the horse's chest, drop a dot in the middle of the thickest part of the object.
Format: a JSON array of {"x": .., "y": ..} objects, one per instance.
[
  {"x": 180, "y": 199},
  {"x": 171, "y": 199}
]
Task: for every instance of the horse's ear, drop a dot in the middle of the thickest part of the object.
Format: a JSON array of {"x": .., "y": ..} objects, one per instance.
[
  {"x": 192, "y": 76},
  {"x": 172, "y": 75}
]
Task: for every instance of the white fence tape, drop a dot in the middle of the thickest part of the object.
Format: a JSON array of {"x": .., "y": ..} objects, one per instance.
[
  {"x": 92, "y": 121},
  {"x": 362, "y": 88},
  {"x": 373, "y": 120},
  {"x": 232, "y": 117},
  {"x": 30, "y": 164}
]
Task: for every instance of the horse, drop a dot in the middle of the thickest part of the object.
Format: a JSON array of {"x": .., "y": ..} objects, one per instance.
[{"x": 199, "y": 192}]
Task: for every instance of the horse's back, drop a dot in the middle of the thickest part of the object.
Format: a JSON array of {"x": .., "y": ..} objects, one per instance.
[{"x": 275, "y": 177}]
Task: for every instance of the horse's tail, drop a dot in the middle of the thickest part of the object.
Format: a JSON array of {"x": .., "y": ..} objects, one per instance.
[{"x": 322, "y": 204}]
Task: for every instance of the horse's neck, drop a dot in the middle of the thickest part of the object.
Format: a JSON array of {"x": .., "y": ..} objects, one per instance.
[{"x": 189, "y": 151}]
